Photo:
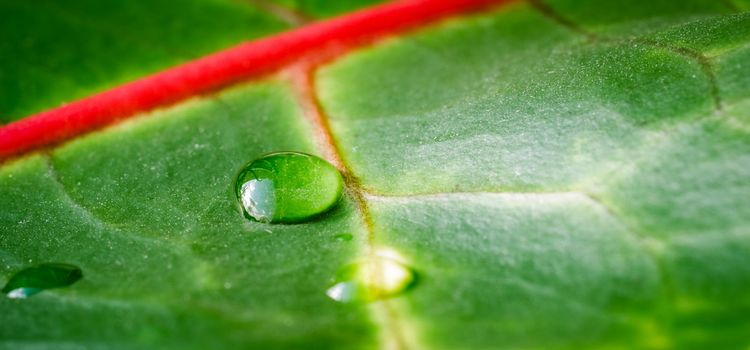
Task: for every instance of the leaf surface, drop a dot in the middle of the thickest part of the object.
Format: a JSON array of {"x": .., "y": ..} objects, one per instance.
[
  {"x": 557, "y": 175},
  {"x": 61, "y": 51}
]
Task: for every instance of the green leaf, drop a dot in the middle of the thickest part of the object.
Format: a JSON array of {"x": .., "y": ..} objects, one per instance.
[
  {"x": 152, "y": 220},
  {"x": 325, "y": 8},
  {"x": 63, "y": 51},
  {"x": 60, "y": 51},
  {"x": 570, "y": 174}
]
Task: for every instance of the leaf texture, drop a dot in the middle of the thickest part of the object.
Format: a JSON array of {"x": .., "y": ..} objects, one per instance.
[{"x": 558, "y": 174}]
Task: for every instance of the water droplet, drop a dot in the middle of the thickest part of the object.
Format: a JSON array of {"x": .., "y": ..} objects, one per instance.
[
  {"x": 343, "y": 237},
  {"x": 382, "y": 276},
  {"x": 33, "y": 280},
  {"x": 288, "y": 187}
]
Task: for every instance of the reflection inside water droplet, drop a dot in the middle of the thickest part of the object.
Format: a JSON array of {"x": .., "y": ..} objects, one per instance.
[
  {"x": 33, "y": 280},
  {"x": 379, "y": 277},
  {"x": 258, "y": 199}
]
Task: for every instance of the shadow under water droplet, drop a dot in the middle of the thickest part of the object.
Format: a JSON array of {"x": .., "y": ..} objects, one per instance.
[{"x": 35, "y": 279}]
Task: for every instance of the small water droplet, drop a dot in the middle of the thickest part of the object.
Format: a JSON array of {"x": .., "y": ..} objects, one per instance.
[
  {"x": 343, "y": 237},
  {"x": 33, "y": 280},
  {"x": 382, "y": 276},
  {"x": 288, "y": 187}
]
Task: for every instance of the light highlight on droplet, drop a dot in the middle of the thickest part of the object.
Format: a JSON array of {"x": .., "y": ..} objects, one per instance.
[{"x": 381, "y": 276}]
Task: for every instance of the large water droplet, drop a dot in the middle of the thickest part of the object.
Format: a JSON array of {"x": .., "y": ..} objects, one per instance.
[
  {"x": 288, "y": 187},
  {"x": 379, "y": 277},
  {"x": 33, "y": 280}
]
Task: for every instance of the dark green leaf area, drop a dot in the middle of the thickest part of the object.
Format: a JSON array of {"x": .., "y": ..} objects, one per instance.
[
  {"x": 325, "y": 8},
  {"x": 634, "y": 17},
  {"x": 59, "y": 51}
]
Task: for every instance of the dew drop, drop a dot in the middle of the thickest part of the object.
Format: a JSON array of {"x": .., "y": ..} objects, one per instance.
[
  {"x": 343, "y": 237},
  {"x": 288, "y": 187},
  {"x": 382, "y": 276},
  {"x": 33, "y": 280}
]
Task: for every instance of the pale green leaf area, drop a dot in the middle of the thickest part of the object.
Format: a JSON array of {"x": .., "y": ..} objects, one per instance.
[
  {"x": 551, "y": 270},
  {"x": 648, "y": 125},
  {"x": 553, "y": 180}
]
